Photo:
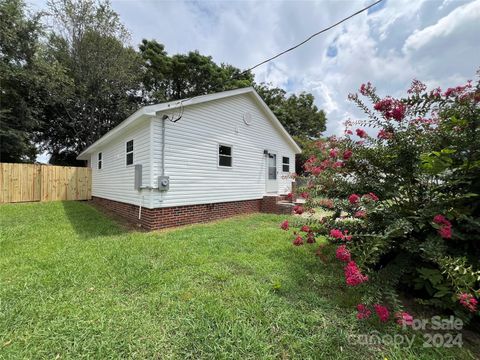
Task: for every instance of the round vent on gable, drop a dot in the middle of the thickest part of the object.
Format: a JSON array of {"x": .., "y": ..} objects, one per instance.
[{"x": 247, "y": 118}]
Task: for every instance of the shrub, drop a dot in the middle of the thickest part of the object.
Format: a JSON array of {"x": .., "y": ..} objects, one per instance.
[{"x": 405, "y": 188}]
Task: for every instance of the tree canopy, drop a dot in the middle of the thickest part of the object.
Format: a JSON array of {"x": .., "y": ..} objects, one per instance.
[
  {"x": 65, "y": 86},
  {"x": 297, "y": 113},
  {"x": 88, "y": 41},
  {"x": 27, "y": 79},
  {"x": 181, "y": 76}
]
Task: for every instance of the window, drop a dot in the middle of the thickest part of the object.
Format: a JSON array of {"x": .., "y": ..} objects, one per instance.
[
  {"x": 225, "y": 155},
  {"x": 272, "y": 166},
  {"x": 99, "y": 162},
  {"x": 129, "y": 152},
  {"x": 286, "y": 164}
]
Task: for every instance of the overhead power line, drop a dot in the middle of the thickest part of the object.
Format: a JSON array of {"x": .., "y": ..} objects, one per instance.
[
  {"x": 310, "y": 37},
  {"x": 171, "y": 118}
]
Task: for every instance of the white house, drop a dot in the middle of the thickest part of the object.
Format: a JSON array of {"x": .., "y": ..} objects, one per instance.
[{"x": 193, "y": 160}]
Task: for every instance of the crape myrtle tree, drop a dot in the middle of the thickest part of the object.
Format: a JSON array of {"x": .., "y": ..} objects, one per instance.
[{"x": 404, "y": 202}]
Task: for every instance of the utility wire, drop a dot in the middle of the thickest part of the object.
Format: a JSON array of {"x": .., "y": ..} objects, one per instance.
[
  {"x": 280, "y": 54},
  {"x": 310, "y": 38}
]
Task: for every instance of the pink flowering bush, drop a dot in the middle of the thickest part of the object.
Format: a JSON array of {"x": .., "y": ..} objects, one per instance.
[
  {"x": 343, "y": 254},
  {"x": 404, "y": 318},
  {"x": 353, "y": 275},
  {"x": 403, "y": 190},
  {"x": 468, "y": 302},
  {"x": 382, "y": 312},
  {"x": 363, "y": 312}
]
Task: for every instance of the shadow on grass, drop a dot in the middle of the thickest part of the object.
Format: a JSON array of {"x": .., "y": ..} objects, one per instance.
[
  {"x": 88, "y": 222},
  {"x": 315, "y": 279}
]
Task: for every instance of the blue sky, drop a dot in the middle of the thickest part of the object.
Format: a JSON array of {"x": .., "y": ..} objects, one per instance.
[{"x": 435, "y": 41}]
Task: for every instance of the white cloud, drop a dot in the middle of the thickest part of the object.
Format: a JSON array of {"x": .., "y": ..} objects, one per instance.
[
  {"x": 434, "y": 41},
  {"x": 446, "y": 26}
]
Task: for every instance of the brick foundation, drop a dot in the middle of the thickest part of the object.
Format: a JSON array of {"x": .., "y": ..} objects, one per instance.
[{"x": 161, "y": 218}]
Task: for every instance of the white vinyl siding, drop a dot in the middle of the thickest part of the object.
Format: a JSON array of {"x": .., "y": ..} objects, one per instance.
[
  {"x": 191, "y": 153},
  {"x": 115, "y": 181},
  {"x": 192, "y": 156}
]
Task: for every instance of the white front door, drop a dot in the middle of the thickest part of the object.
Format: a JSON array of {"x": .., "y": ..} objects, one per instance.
[{"x": 272, "y": 181}]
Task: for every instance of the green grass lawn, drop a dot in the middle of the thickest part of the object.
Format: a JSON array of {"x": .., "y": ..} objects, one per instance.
[{"x": 74, "y": 284}]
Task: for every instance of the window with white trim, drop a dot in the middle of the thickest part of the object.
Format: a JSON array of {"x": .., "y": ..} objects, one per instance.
[
  {"x": 224, "y": 155},
  {"x": 129, "y": 152},
  {"x": 99, "y": 162},
  {"x": 285, "y": 164}
]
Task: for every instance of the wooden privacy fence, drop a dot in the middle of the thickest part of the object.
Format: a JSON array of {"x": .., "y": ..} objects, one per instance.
[{"x": 32, "y": 182}]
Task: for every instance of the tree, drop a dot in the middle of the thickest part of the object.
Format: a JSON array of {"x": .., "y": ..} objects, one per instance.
[
  {"x": 181, "y": 76},
  {"x": 27, "y": 79},
  {"x": 297, "y": 113},
  {"x": 88, "y": 41}
]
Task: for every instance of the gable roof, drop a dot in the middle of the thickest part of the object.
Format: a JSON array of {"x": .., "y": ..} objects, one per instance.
[{"x": 152, "y": 110}]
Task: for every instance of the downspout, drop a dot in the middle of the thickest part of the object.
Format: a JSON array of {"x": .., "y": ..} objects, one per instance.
[
  {"x": 150, "y": 187},
  {"x": 164, "y": 118},
  {"x": 152, "y": 128}
]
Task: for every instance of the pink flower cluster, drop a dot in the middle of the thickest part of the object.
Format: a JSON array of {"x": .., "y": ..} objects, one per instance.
[
  {"x": 343, "y": 254},
  {"x": 305, "y": 228},
  {"x": 361, "y": 133},
  {"x": 391, "y": 108},
  {"x": 353, "y": 275},
  {"x": 382, "y": 312},
  {"x": 311, "y": 165},
  {"x": 468, "y": 301},
  {"x": 417, "y": 87},
  {"x": 333, "y": 158},
  {"x": 360, "y": 214},
  {"x": 310, "y": 237},
  {"x": 436, "y": 93},
  {"x": 457, "y": 91},
  {"x": 298, "y": 241},
  {"x": 366, "y": 89},
  {"x": 347, "y": 154},
  {"x": 298, "y": 238},
  {"x": 298, "y": 209},
  {"x": 337, "y": 234},
  {"x": 424, "y": 121},
  {"x": 404, "y": 318},
  {"x": 384, "y": 135},
  {"x": 363, "y": 312},
  {"x": 353, "y": 199},
  {"x": 445, "y": 230}
]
